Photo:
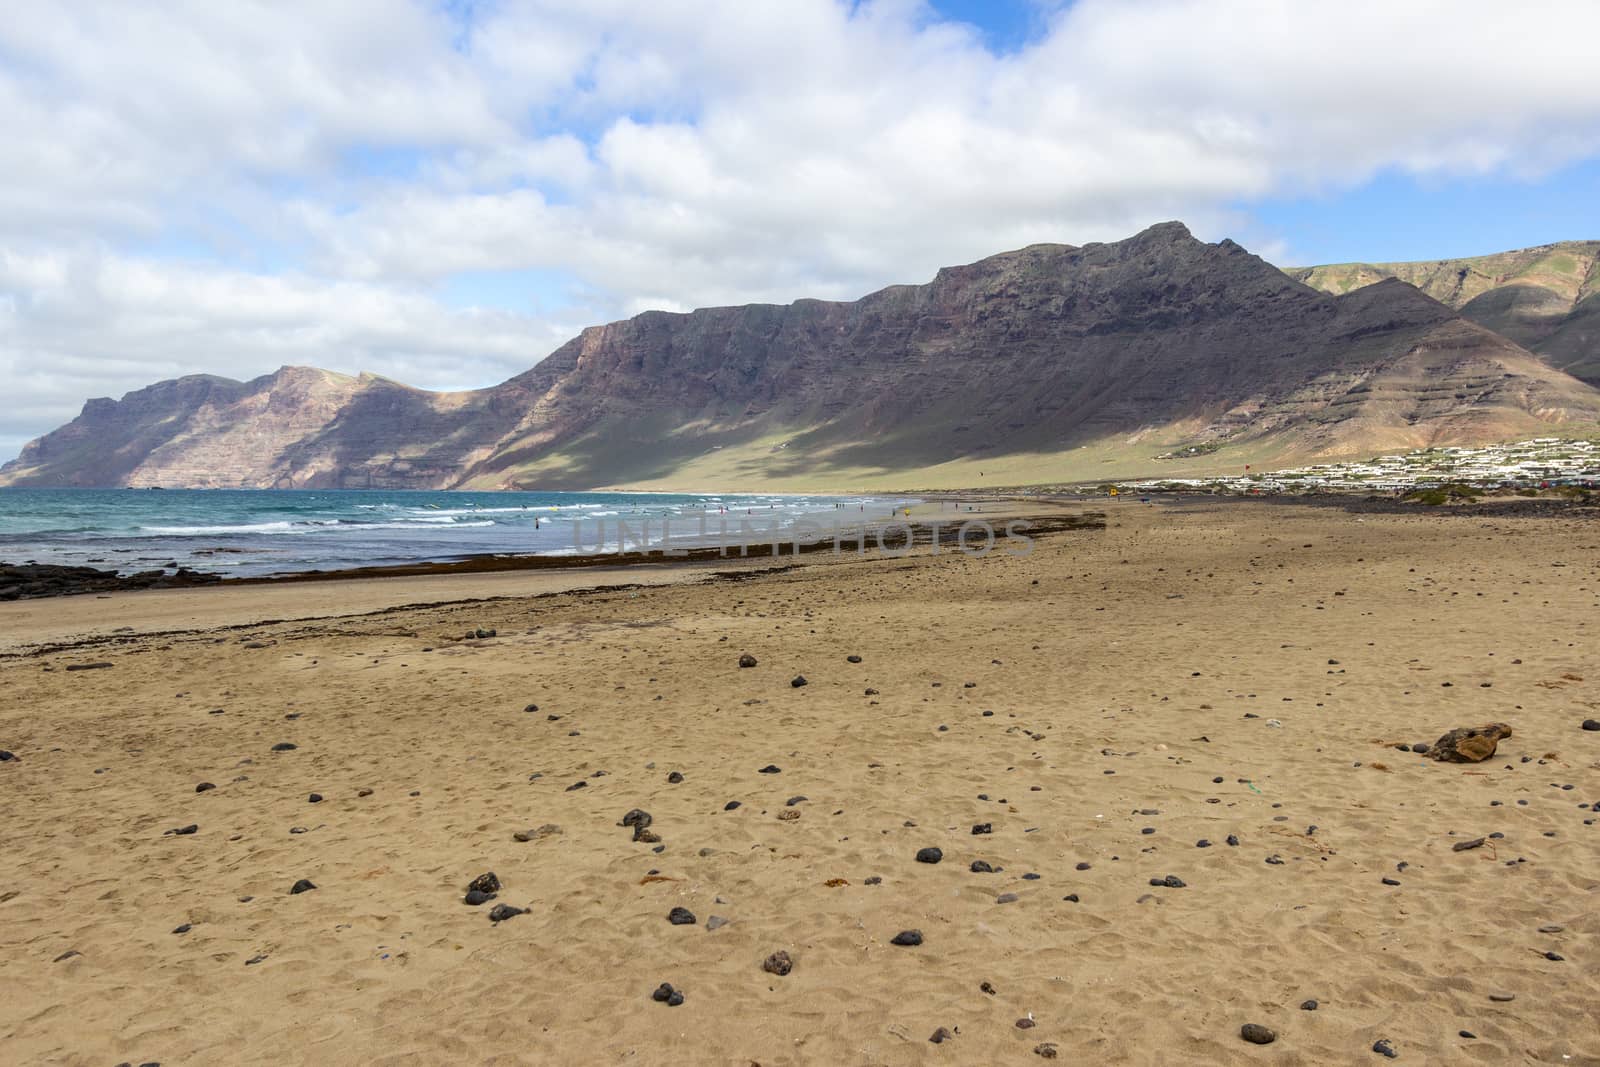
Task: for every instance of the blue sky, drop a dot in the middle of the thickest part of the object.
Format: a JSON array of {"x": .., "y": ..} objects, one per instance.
[
  {"x": 1396, "y": 217},
  {"x": 1006, "y": 25},
  {"x": 444, "y": 191}
]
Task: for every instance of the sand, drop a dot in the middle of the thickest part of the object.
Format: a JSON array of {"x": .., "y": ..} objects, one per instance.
[
  {"x": 115, "y": 616},
  {"x": 1280, "y": 649}
]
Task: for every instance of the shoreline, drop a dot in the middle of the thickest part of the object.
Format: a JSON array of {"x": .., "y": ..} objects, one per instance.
[
  {"x": 33, "y": 581},
  {"x": 118, "y": 543},
  {"x": 83, "y": 580},
  {"x": 107, "y": 618}
]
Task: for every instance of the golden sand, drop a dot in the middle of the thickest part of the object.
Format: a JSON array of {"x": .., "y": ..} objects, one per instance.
[{"x": 1198, "y": 671}]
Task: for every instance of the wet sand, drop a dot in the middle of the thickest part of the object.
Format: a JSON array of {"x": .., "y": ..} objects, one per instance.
[{"x": 1283, "y": 650}]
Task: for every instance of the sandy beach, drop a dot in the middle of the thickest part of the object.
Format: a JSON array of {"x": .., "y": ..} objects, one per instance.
[{"x": 1077, "y": 720}]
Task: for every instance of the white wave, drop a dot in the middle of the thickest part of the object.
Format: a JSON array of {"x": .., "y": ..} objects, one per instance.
[
  {"x": 410, "y": 525},
  {"x": 202, "y": 531},
  {"x": 311, "y": 526},
  {"x": 470, "y": 511}
]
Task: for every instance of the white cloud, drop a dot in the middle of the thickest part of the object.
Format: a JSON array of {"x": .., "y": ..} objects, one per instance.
[
  {"x": 93, "y": 323},
  {"x": 229, "y": 187}
]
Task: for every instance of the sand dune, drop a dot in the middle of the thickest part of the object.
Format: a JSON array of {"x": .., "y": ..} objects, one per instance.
[{"x": 1188, "y": 673}]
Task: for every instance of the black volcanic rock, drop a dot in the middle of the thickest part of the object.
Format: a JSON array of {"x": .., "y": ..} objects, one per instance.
[{"x": 30, "y": 580}]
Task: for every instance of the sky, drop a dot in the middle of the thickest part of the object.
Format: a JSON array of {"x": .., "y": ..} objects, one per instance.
[{"x": 445, "y": 191}]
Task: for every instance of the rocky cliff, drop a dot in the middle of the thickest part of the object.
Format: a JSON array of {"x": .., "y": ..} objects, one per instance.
[
  {"x": 1047, "y": 362},
  {"x": 1546, "y": 299}
]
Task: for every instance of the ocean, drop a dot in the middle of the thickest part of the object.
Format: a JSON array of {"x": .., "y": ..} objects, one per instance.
[{"x": 243, "y": 533}]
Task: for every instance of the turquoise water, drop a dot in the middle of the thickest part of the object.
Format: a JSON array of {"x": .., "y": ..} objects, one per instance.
[{"x": 254, "y": 532}]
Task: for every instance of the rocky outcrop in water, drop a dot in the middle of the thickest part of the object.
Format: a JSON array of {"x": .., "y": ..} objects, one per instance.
[{"x": 29, "y": 580}]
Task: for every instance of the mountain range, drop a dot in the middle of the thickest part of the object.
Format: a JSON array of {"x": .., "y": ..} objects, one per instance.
[
  {"x": 1156, "y": 354},
  {"x": 1546, "y": 299}
]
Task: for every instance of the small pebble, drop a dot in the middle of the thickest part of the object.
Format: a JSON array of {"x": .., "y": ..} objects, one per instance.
[
  {"x": 681, "y": 917},
  {"x": 1383, "y": 1048},
  {"x": 1257, "y": 1034},
  {"x": 907, "y": 938}
]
